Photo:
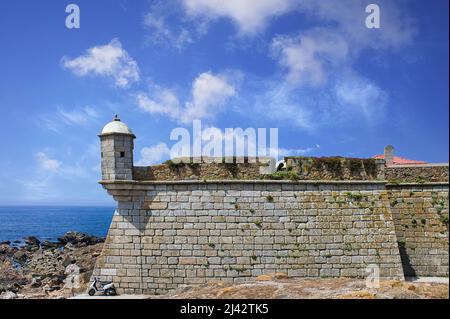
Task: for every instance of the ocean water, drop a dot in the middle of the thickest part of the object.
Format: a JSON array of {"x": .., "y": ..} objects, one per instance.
[{"x": 49, "y": 223}]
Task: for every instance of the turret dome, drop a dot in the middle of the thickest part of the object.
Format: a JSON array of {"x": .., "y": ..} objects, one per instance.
[{"x": 116, "y": 127}]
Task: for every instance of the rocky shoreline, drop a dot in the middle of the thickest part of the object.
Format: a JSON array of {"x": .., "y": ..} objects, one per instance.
[
  {"x": 38, "y": 269},
  {"x": 41, "y": 270}
]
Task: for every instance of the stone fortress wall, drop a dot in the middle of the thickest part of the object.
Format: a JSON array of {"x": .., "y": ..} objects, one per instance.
[
  {"x": 190, "y": 223},
  {"x": 417, "y": 173},
  {"x": 420, "y": 213},
  {"x": 205, "y": 168},
  {"x": 167, "y": 234}
]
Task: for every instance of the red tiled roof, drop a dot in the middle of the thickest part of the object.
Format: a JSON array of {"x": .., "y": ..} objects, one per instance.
[{"x": 401, "y": 161}]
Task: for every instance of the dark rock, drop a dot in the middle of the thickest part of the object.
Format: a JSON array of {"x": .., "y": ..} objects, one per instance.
[
  {"x": 7, "y": 250},
  {"x": 41, "y": 266},
  {"x": 79, "y": 239},
  {"x": 49, "y": 245},
  {"x": 36, "y": 282},
  {"x": 20, "y": 256},
  {"x": 57, "y": 280},
  {"x": 15, "y": 287},
  {"x": 32, "y": 243},
  {"x": 4, "y": 249},
  {"x": 67, "y": 261},
  {"x": 7, "y": 243}
]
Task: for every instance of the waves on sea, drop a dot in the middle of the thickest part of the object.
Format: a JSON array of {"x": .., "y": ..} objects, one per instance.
[{"x": 51, "y": 222}]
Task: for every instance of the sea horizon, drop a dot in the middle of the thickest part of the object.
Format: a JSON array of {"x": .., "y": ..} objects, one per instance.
[
  {"x": 49, "y": 222},
  {"x": 53, "y": 205}
]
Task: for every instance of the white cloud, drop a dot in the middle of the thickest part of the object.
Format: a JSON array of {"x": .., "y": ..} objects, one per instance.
[
  {"x": 106, "y": 60},
  {"x": 154, "y": 154},
  {"x": 209, "y": 94},
  {"x": 347, "y": 98},
  {"x": 48, "y": 123},
  {"x": 348, "y": 17},
  {"x": 47, "y": 163},
  {"x": 163, "y": 101},
  {"x": 313, "y": 55},
  {"x": 38, "y": 188},
  {"x": 161, "y": 32},
  {"x": 321, "y": 86},
  {"x": 168, "y": 23},
  {"x": 362, "y": 95},
  {"x": 213, "y": 137},
  {"x": 306, "y": 57},
  {"x": 77, "y": 116},
  {"x": 45, "y": 181},
  {"x": 278, "y": 103},
  {"x": 251, "y": 144},
  {"x": 250, "y": 16},
  {"x": 75, "y": 171},
  {"x": 57, "y": 120}
]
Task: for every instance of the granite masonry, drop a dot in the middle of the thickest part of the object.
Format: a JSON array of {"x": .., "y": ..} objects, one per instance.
[
  {"x": 192, "y": 223},
  {"x": 420, "y": 213}
]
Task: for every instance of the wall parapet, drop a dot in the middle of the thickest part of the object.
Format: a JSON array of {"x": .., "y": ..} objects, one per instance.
[
  {"x": 412, "y": 184},
  {"x": 417, "y": 173},
  {"x": 207, "y": 168},
  {"x": 235, "y": 181},
  {"x": 335, "y": 168}
]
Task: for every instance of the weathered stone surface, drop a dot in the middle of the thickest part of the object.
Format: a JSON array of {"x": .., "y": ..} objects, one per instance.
[
  {"x": 302, "y": 230},
  {"x": 117, "y": 156},
  {"x": 421, "y": 223},
  {"x": 196, "y": 221},
  {"x": 43, "y": 271},
  {"x": 335, "y": 168},
  {"x": 417, "y": 173},
  {"x": 199, "y": 171}
]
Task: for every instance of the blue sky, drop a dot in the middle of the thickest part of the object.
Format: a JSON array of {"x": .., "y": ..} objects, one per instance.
[{"x": 310, "y": 68}]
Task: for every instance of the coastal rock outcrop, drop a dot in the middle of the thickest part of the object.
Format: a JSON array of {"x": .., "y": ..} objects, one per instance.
[
  {"x": 8, "y": 295},
  {"x": 79, "y": 239},
  {"x": 39, "y": 270},
  {"x": 32, "y": 243}
]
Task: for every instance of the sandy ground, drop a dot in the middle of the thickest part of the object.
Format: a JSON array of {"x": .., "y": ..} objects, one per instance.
[{"x": 277, "y": 286}]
